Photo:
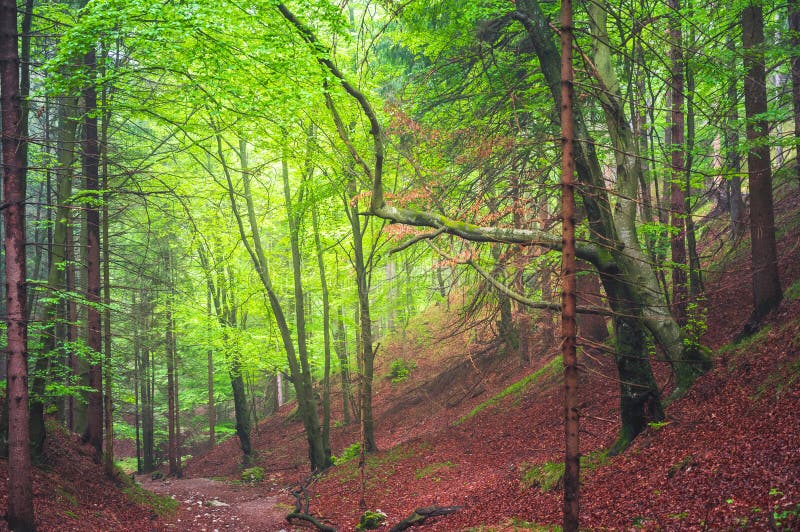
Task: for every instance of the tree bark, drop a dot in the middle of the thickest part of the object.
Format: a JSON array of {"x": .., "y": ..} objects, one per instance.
[
  {"x": 766, "y": 284},
  {"x": 144, "y": 311},
  {"x": 319, "y": 448},
  {"x": 55, "y": 312},
  {"x": 108, "y": 407},
  {"x": 367, "y": 354},
  {"x": 172, "y": 437},
  {"x": 568, "y": 282},
  {"x": 326, "y": 329},
  {"x": 793, "y": 7},
  {"x": 19, "y": 514},
  {"x": 340, "y": 346},
  {"x": 733, "y": 161},
  {"x": 212, "y": 413},
  {"x": 677, "y": 147},
  {"x": 94, "y": 430}
]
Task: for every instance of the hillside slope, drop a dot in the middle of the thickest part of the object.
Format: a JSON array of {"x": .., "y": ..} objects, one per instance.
[
  {"x": 727, "y": 457},
  {"x": 469, "y": 427}
]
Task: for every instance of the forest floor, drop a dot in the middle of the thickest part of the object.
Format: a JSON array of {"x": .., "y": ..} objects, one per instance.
[{"x": 726, "y": 458}]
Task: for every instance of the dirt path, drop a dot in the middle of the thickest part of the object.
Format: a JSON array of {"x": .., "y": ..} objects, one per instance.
[{"x": 213, "y": 505}]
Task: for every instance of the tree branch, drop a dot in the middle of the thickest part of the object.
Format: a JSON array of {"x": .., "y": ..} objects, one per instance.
[{"x": 519, "y": 298}]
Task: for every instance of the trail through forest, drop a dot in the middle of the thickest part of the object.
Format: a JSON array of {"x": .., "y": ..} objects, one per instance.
[{"x": 208, "y": 504}]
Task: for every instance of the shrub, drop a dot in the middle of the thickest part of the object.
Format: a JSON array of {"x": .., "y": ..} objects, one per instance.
[
  {"x": 253, "y": 474},
  {"x": 400, "y": 369},
  {"x": 371, "y": 520},
  {"x": 347, "y": 454}
]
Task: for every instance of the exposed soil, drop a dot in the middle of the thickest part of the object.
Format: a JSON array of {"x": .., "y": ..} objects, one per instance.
[{"x": 208, "y": 504}]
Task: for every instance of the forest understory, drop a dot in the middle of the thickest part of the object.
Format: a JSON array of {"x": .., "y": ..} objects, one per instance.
[{"x": 725, "y": 458}]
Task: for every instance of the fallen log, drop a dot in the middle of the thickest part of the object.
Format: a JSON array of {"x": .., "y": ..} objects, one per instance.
[{"x": 419, "y": 516}]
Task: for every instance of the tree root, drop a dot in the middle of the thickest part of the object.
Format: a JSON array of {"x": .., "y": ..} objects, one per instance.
[
  {"x": 301, "y": 504},
  {"x": 311, "y": 519},
  {"x": 419, "y": 516}
]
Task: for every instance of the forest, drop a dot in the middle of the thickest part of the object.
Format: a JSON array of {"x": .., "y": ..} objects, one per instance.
[{"x": 376, "y": 264}]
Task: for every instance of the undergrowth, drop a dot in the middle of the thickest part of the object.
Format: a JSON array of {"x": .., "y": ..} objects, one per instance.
[
  {"x": 162, "y": 505},
  {"x": 432, "y": 470},
  {"x": 379, "y": 465},
  {"x": 518, "y": 388},
  {"x": 515, "y": 525},
  {"x": 550, "y": 475}
]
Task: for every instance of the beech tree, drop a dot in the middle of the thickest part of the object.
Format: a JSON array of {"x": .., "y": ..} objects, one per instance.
[{"x": 615, "y": 250}]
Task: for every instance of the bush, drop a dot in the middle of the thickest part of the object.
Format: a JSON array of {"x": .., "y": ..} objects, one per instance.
[
  {"x": 253, "y": 474},
  {"x": 400, "y": 369},
  {"x": 371, "y": 520},
  {"x": 347, "y": 454}
]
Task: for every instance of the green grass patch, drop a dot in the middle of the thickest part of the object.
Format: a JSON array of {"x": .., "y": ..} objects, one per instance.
[
  {"x": 547, "y": 476},
  {"x": 744, "y": 345},
  {"x": 518, "y": 389},
  {"x": 67, "y": 496},
  {"x": 431, "y": 470},
  {"x": 128, "y": 464},
  {"x": 793, "y": 292},
  {"x": 348, "y": 453},
  {"x": 378, "y": 466},
  {"x": 161, "y": 505},
  {"x": 780, "y": 380},
  {"x": 516, "y": 524},
  {"x": 550, "y": 475}
]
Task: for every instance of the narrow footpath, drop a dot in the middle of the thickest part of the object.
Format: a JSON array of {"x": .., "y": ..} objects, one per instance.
[{"x": 208, "y": 505}]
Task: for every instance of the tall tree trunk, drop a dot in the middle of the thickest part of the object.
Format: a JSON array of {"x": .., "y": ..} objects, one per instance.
[
  {"x": 108, "y": 406},
  {"x": 145, "y": 309},
  {"x": 212, "y": 412},
  {"x": 766, "y": 284},
  {"x": 640, "y": 402},
  {"x": 733, "y": 161},
  {"x": 19, "y": 514},
  {"x": 172, "y": 445},
  {"x": 326, "y": 329},
  {"x": 94, "y": 432},
  {"x": 241, "y": 411},
  {"x": 793, "y": 7},
  {"x": 568, "y": 280},
  {"x": 54, "y": 312},
  {"x": 77, "y": 409},
  {"x": 693, "y": 259},
  {"x": 340, "y": 346},
  {"x": 677, "y": 147},
  {"x": 300, "y": 374},
  {"x": 315, "y": 436},
  {"x": 137, "y": 378},
  {"x": 367, "y": 354}
]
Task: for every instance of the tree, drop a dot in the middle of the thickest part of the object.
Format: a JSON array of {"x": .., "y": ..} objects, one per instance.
[
  {"x": 91, "y": 160},
  {"x": 20, "y": 514},
  {"x": 219, "y": 280},
  {"x": 569, "y": 269},
  {"x": 793, "y": 7},
  {"x": 678, "y": 200},
  {"x": 766, "y": 287}
]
